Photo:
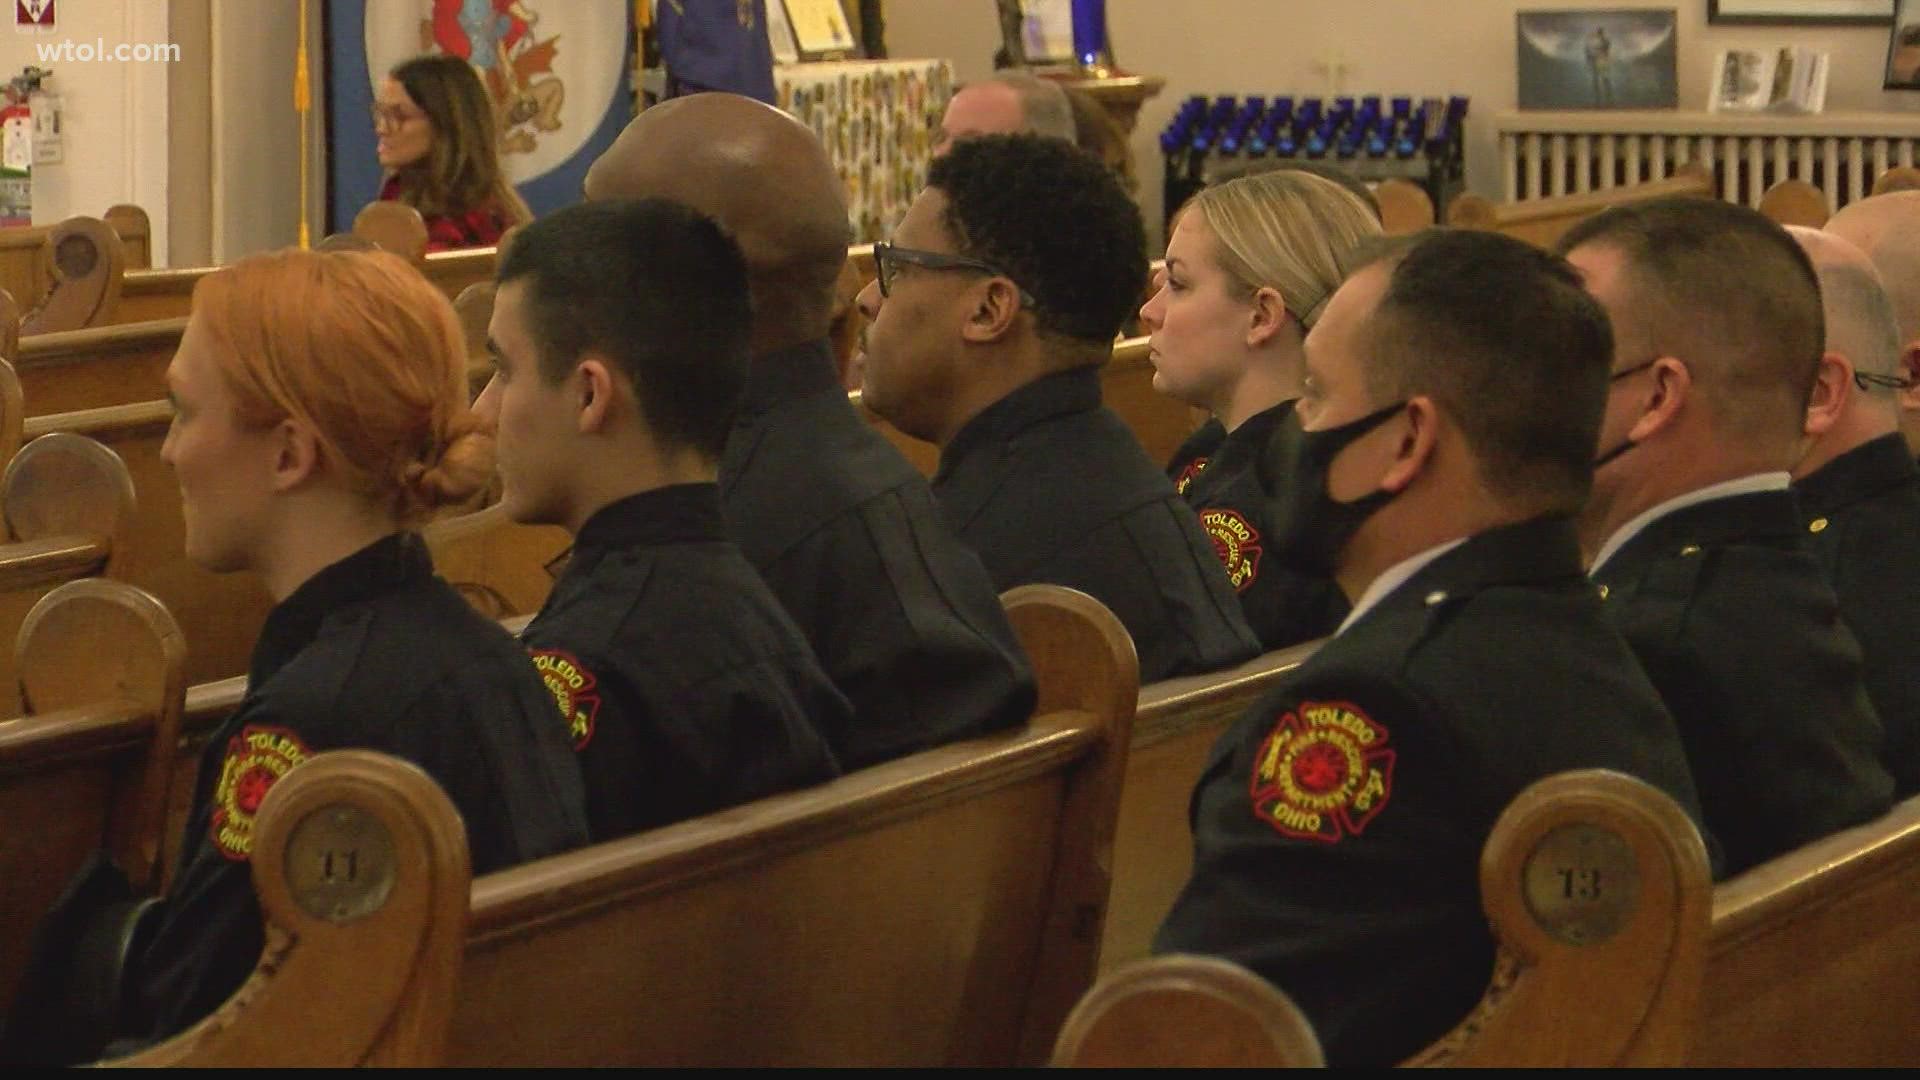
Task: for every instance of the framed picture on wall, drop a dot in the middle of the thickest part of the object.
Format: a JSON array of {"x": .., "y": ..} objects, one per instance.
[
  {"x": 1801, "y": 12},
  {"x": 1623, "y": 58},
  {"x": 1903, "y": 48}
]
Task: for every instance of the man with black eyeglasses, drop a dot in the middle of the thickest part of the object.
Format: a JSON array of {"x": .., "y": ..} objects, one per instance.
[
  {"x": 901, "y": 614},
  {"x": 1860, "y": 492},
  {"x": 1698, "y": 546},
  {"x": 992, "y": 312}
]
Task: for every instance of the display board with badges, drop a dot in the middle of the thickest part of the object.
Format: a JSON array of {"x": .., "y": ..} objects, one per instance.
[{"x": 877, "y": 119}]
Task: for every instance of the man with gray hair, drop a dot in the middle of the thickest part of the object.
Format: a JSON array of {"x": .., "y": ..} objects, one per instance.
[
  {"x": 1005, "y": 103},
  {"x": 1887, "y": 229},
  {"x": 1860, "y": 492}
]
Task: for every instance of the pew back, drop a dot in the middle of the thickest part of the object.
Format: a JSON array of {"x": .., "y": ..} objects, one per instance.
[
  {"x": 1190, "y": 1012},
  {"x": 1541, "y": 222},
  {"x": 1815, "y": 956},
  {"x": 943, "y": 908},
  {"x": 89, "y": 761},
  {"x": 362, "y": 872}
]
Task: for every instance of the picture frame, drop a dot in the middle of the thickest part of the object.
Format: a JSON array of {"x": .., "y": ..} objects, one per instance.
[
  {"x": 1800, "y": 12},
  {"x": 780, "y": 34},
  {"x": 820, "y": 28},
  {"x": 1597, "y": 59},
  {"x": 1903, "y": 48},
  {"x": 1047, "y": 31}
]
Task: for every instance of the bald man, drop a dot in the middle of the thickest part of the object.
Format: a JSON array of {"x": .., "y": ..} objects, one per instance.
[
  {"x": 1006, "y": 103},
  {"x": 1860, "y": 491},
  {"x": 1887, "y": 229},
  {"x": 901, "y": 614},
  {"x": 1701, "y": 557}
]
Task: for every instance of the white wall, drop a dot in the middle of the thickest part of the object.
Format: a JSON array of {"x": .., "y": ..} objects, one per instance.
[
  {"x": 1389, "y": 46},
  {"x": 115, "y": 116}
]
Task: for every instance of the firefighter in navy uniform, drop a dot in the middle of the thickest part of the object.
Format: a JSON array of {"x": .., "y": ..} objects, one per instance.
[
  {"x": 1698, "y": 543},
  {"x": 1250, "y": 265},
  {"x": 320, "y": 411},
  {"x": 839, "y": 525},
  {"x": 1859, "y": 490},
  {"x": 1443, "y": 442},
  {"x": 619, "y": 333},
  {"x": 990, "y": 347}
]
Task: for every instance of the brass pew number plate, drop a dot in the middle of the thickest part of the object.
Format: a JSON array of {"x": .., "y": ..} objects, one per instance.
[
  {"x": 340, "y": 864},
  {"x": 1581, "y": 884}
]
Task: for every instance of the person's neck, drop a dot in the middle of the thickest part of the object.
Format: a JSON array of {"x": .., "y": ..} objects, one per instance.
[
  {"x": 640, "y": 471},
  {"x": 309, "y": 542},
  {"x": 1667, "y": 472},
  {"x": 1398, "y": 533},
  {"x": 1266, "y": 382},
  {"x": 1859, "y": 424},
  {"x": 998, "y": 370}
]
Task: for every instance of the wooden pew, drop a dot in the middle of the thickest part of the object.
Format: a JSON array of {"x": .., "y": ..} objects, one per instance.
[
  {"x": 1607, "y": 979},
  {"x": 1542, "y": 221},
  {"x": 1795, "y": 202},
  {"x": 1177, "y": 724},
  {"x": 97, "y": 367},
  {"x": 1405, "y": 207},
  {"x": 1815, "y": 955},
  {"x": 943, "y": 908},
  {"x": 67, "y": 505},
  {"x": 1897, "y": 178},
  {"x": 147, "y": 295},
  {"x": 26, "y": 270},
  {"x": 86, "y": 263},
  {"x": 362, "y": 870},
  {"x": 102, "y": 672}
]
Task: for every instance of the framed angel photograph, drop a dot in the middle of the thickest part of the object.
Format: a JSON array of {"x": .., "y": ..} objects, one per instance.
[{"x": 1597, "y": 59}]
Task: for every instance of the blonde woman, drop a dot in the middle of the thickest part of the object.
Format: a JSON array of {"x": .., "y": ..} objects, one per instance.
[{"x": 1250, "y": 264}]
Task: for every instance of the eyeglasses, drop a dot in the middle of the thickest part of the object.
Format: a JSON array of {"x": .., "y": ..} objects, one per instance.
[
  {"x": 392, "y": 116},
  {"x": 887, "y": 257},
  {"x": 1867, "y": 381}
]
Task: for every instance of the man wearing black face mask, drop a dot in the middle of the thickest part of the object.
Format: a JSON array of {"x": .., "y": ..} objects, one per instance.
[
  {"x": 1444, "y": 440},
  {"x": 1701, "y": 553}
]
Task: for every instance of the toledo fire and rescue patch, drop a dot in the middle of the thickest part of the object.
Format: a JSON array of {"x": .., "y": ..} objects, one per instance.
[
  {"x": 1324, "y": 773},
  {"x": 1187, "y": 475},
  {"x": 571, "y": 685},
  {"x": 256, "y": 760},
  {"x": 1236, "y": 542}
]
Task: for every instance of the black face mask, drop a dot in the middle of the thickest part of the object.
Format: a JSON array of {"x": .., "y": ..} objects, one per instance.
[
  {"x": 1626, "y": 444},
  {"x": 1310, "y": 527}
]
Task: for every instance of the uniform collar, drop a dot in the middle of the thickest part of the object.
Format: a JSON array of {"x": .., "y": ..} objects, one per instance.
[
  {"x": 784, "y": 374},
  {"x": 675, "y": 514},
  {"x": 1741, "y": 485},
  {"x": 1537, "y": 551},
  {"x": 1754, "y": 515},
  {"x": 385, "y": 566},
  {"x": 1862, "y": 472},
  {"x": 1075, "y": 390}
]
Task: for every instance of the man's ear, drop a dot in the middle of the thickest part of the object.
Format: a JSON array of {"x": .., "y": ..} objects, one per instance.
[
  {"x": 1832, "y": 389},
  {"x": 296, "y": 455},
  {"x": 1669, "y": 385},
  {"x": 995, "y": 308},
  {"x": 594, "y": 385},
  {"x": 1269, "y": 316},
  {"x": 1417, "y": 442},
  {"x": 1910, "y": 370}
]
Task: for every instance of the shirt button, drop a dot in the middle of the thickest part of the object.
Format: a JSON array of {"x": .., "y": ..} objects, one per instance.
[
  {"x": 1604, "y": 591},
  {"x": 1690, "y": 549},
  {"x": 1817, "y": 525},
  {"x": 1436, "y": 598}
]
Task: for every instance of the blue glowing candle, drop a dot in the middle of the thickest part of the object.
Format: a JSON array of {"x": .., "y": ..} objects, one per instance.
[{"x": 1089, "y": 31}]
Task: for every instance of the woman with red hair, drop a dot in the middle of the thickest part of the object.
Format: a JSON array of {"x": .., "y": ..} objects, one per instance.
[{"x": 320, "y": 413}]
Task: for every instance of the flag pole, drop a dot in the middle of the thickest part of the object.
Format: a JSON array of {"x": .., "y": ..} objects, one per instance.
[{"x": 302, "y": 106}]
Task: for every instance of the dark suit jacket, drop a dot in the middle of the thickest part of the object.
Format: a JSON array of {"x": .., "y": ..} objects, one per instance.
[{"x": 1729, "y": 613}]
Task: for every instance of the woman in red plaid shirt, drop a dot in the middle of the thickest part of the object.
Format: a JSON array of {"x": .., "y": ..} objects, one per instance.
[{"x": 439, "y": 144}]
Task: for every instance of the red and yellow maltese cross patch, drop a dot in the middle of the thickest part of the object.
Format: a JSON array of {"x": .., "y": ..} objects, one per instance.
[
  {"x": 256, "y": 760},
  {"x": 1324, "y": 773},
  {"x": 571, "y": 685}
]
